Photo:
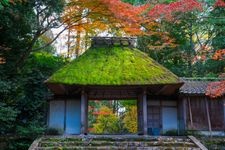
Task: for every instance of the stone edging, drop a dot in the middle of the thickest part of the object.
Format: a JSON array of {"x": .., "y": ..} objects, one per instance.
[
  {"x": 35, "y": 144},
  {"x": 197, "y": 142}
]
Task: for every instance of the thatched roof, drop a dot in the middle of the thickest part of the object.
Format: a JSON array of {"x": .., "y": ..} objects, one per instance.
[{"x": 113, "y": 65}]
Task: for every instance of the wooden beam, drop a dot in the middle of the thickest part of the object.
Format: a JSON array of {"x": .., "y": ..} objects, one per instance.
[
  {"x": 75, "y": 91},
  {"x": 208, "y": 116},
  {"x": 162, "y": 89},
  {"x": 63, "y": 88},
  {"x": 84, "y": 113}
]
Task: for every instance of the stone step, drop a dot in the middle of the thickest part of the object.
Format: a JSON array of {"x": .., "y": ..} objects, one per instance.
[
  {"x": 117, "y": 143},
  {"x": 115, "y": 138},
  {"x": 116, "y": 148},
  {"x": 113, "y": 142}
]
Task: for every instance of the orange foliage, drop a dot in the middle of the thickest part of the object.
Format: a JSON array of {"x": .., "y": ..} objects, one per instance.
[
  {"x": 167, "y": 11},
  {"x": 129, "y": 16},
  {"x": 104, "y": 113},
  {"x": 216, "y": 89},
  {"x": 219, "y": 54},
  {"x": 95, "y": 16},
  {"x": 103, "y": 14}
]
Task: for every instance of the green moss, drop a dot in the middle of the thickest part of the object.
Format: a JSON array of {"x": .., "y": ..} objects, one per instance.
[{"x": 113, "y": 66}]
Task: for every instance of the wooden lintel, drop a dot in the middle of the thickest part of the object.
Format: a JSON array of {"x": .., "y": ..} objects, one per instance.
[
  {"x": 162, "y": 89},
  {"x": 62, "y": 87},
  {"x": 78, "y": 90}
]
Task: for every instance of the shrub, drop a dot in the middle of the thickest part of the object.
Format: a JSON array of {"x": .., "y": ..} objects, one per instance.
[
  {"x": 107, "y": 122},
  {"x": 54, "y": 131},
  {"x": 130, "y": 119}
]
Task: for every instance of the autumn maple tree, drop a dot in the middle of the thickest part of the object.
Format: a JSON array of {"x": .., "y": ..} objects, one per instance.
[
  {"x": 106, "y": 122},
  {"x": 217, "y": 89},
  {"x": 86, "y": 18},
  {"x": 168, "y": 11},
  {"x": 114, "y": 17}
]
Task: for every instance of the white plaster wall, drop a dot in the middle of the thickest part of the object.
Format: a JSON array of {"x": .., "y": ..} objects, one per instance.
[
  {"x": 56, "y": 114},
  {"x": 169, "y": 118},
  {"x": 73, "y": 117}
]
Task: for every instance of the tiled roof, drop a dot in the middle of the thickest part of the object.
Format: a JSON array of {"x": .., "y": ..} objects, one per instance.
[{"x": 195, "y": 86}]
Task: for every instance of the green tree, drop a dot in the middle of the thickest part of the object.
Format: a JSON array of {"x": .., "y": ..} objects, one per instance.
[
  {"x": 24, "y": 98},
  {"x": 7, "y": 118},
  {"x": 130, "y": 119},
  {"x": 196, "y": 35},
  {"x": 107, "y": 122},
  {"x": 22, "y": 24}
]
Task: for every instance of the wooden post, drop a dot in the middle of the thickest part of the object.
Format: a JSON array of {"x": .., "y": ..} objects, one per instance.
[
  {"x": 145, "y": 117},
  {"x": 140, "y": 114},
  {"x": 208, "y": 116},
  {"x": 185, "y": 112},
  {"x": 65, "y": 110},
  {"x": 184, "y": 102},
  {"x": 190, "y": 112},
  {"x": 224, "y": 111},
  {"x": 84, "y": 113}
]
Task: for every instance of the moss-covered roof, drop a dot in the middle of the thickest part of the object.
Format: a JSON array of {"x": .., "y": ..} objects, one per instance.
[{"x": 113, "y": 66}]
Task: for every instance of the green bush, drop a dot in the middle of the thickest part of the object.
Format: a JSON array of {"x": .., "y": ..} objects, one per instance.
[
  {"x": 7, "y": 118},
  {"x": 32, "y": 130},
  {"x": 192, "y": 132},
  {"x": 107, "y": 122},
  {"x": 171, "y": 133},
  {"x": 54, "y": 131}
]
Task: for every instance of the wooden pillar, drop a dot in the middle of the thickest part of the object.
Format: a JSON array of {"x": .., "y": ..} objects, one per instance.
[
  {"x": 181, "y": 107},
  {"x": 190, "y": 112},
  {"x": 65, "y": 109},
  {"x": 142, "y": 113},
  {"x": 145, "y": 117},
  {"x": 184, "y": 102},
  {"x": 208, "y": 116},
  {"x": 84, "y": 113}
]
